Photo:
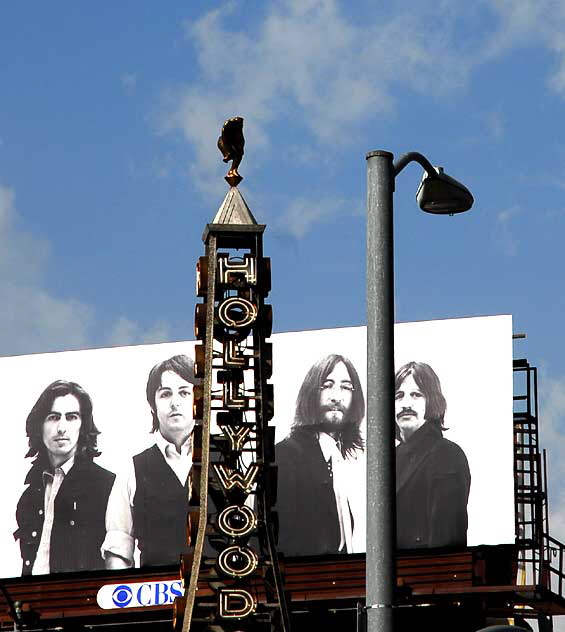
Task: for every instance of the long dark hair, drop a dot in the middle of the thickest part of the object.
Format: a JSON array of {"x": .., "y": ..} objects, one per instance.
[
  {"x": 87, "y": 439},
  {"x": 307, "y": 415}
]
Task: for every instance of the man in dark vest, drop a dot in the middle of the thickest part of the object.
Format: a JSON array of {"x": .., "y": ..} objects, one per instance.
[
  {"x": 149, "y": 501},
  {"x": 61, "y": 513}
]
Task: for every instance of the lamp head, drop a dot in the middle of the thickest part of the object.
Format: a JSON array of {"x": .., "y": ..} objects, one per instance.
[{"x": 443, "y": 195}]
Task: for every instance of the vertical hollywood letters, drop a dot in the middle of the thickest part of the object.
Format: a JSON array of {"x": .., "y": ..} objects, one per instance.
[{"x": 237, "y": 316}]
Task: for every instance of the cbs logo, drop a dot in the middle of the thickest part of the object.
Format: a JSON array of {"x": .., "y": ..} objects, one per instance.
[{"x": 122, "y": 596}]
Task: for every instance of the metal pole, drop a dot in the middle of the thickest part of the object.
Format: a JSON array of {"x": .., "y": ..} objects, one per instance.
[{"x": 381, "y": 487}]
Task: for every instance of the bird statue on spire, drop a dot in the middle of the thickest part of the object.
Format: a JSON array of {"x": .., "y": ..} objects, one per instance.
[{"x": 231, "y": 143}]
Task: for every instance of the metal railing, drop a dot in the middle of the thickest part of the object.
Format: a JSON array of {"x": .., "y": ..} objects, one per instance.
[{"x": 541, "y": 558}]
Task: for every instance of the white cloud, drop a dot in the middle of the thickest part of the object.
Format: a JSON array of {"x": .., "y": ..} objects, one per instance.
[
  {"x": 32, "y": 319},
  {"x": 128, "y": 332},
  {"x": 531, "y": 23},
  {"x": 302, "y": 213},
  {"x": 306, "y": 68},
  {"x": 503, "y": 234},
  {"x": 21, "y": 255},
  {"x": 557, "y": 78}
]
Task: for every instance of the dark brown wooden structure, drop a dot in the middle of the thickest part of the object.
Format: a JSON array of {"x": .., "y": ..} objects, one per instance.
[{"x": 473, "y": 585}]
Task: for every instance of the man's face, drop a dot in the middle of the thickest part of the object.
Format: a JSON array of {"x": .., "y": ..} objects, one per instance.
[
  {"x": 173, "y": 406},
  {"x": 410, "y": 407},
  {"x": 61, "y": 429},
  {"x": 336, "y": 394}
]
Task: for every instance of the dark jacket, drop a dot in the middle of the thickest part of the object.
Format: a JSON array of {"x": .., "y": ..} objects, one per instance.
[
  {"x": 432, "y": 489},
  {"x": 78, "y": 523},
  {"x": 306, "y": 504},
  {"x": 160, "y": 508}
]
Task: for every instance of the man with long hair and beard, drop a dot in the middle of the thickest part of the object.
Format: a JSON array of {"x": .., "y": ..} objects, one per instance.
[{"x": 314, "y": 511}]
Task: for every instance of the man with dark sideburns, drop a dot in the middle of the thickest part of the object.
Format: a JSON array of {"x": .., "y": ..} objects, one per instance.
[
  {"x": 60, "y": 514},
  {"x": 149, "y": 502},
  {"x": 314, "y": 509},
  {"x": 432, "y": 473}
]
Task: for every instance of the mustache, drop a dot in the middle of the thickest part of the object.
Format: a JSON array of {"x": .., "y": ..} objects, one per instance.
[
  {"x": 333, "y": 407},
  {"x": 406, "y": 411}
]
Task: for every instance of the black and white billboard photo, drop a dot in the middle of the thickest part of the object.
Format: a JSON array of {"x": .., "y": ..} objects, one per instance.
[{"x": 96, "y": 456}]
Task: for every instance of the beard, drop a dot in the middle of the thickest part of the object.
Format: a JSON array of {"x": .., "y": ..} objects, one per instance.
[{"x": 332, "y": 419}]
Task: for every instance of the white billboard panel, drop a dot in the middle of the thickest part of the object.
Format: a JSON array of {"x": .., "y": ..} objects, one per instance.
[{"x": 471, "y": 357}]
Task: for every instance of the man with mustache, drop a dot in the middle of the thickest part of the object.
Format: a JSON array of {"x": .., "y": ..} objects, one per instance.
[
  {"x": 61, "y": 513},
  {"x": 149, "y": 502},
  {"x": 432, "y": 473},
  {"x": 315, "y": 516}
]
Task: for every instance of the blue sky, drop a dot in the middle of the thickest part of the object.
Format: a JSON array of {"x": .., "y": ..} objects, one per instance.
[{"x": 109, "y": 116}]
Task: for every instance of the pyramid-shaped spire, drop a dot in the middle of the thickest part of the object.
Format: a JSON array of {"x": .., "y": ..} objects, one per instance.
[{"x": 234, "y": 210}]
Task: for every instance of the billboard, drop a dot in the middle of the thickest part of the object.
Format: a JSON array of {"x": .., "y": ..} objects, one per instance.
[{"x": 60, "y": 520}]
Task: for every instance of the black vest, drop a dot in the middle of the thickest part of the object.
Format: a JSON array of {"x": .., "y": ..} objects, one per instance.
[
  {"x": 78, "y": 525},
  {"x": 160, "y": 508}
]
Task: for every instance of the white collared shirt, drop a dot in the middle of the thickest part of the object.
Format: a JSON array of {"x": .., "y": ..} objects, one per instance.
[
  {"x": 52, "y": 483},
  {"x": 181, "y": 462},
  {"x": 330, "y": 450}
]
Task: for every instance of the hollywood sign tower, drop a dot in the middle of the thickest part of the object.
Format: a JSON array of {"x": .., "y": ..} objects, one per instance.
[{"x": 232, "y": 578}]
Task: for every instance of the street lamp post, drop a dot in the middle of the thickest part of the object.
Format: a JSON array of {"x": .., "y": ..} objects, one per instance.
[{"x": 441, "y": 194}]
